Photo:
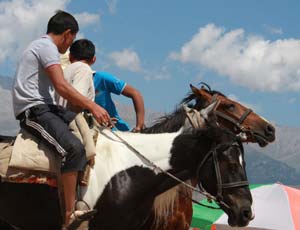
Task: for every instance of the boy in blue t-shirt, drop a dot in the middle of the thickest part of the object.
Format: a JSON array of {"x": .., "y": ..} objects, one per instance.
[{"x": 105, "y": 84}]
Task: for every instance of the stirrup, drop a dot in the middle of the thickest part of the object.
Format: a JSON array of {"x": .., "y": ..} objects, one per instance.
[{"x": 78, "y": 217}]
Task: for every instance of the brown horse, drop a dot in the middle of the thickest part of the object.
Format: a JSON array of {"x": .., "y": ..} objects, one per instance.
[
  {"x": 230, "y": 114},
  {"x": 234, "y": 116}
]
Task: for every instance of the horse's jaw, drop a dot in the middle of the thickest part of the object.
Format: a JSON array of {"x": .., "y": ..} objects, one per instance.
[
  {"x": 261, "y": 140},
  {"x": 239, "y": 216}
]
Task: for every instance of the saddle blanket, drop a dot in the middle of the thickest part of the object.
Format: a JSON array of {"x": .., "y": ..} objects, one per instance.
[{"x": 28, "y": 153}]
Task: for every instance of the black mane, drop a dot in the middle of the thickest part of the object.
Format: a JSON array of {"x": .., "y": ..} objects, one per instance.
[{"x": 168, "y": 123}]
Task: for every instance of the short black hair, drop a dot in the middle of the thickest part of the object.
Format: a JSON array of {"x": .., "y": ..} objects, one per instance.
[
  {"x": 82, "y": 49},
  {"x": 62, "y": 21}
]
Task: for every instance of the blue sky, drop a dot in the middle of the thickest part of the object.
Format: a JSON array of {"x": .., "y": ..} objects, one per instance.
[{"x": 249, "y": 50}]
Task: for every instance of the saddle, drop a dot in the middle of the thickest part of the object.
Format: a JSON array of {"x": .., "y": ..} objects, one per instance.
[{"x": 28, "y": 160}]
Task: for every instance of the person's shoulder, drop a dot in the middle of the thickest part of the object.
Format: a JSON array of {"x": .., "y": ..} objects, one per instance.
[
  {"x": 104, "y": 75},
  {"x": 78, "y": 66},
  {"x": 43, "y": 42}
]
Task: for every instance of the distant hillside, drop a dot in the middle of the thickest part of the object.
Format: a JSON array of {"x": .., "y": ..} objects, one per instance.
[
  {"x": 286, "y": 148},
  {"x": 263, "y": 169},
  {"x": 6, "y": 82},
  {"x": 8, "y": 124}
]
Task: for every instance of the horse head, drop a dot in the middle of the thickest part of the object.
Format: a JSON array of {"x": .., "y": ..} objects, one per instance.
[
  {"x": 219, "y": 168},
  {"x": 234, "y": 116}
]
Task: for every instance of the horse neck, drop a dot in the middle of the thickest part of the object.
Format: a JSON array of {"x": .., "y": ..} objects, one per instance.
[
  {"x": 189, "y": 150},
  {"x": 113, "y": 156}
]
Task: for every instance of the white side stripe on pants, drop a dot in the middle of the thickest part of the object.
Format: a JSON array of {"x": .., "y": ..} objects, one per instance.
[{"x": 45, "y": 135}]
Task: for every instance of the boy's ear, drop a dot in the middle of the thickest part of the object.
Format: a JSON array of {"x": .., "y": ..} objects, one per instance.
[
  {"x": 93, "y": 60},
  {"x": 71, "y": 58}
]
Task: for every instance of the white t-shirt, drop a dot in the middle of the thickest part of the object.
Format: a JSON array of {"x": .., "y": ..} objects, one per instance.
[
  {"x": 80, "y": 76},
  {"x": 32, "y": 86}
]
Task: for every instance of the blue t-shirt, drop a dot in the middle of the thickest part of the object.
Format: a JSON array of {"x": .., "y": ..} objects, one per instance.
[{"x": 105, "y": 84}]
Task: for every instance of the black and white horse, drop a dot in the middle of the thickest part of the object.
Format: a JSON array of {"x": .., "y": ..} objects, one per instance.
[{"x": 123, "y": 186}]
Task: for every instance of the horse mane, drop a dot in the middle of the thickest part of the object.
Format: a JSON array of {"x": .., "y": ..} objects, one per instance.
[{"x": 168, "y": 123}]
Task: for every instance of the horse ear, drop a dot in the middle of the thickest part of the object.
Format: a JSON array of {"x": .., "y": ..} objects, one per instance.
[
  {"x": 209, "y": 109},
  {"x": 202, "y": 93},
  {"x": 194, "y": 89}
]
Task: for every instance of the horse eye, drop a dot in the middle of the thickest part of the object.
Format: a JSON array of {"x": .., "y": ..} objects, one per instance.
[{"x": 231, "y": 107}]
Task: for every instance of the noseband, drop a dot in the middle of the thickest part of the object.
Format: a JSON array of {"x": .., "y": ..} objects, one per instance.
[{"x": 220, "y": 185}]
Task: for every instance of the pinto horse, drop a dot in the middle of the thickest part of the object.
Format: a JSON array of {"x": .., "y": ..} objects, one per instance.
[
  {"x": 123, "y": 185},
  {"x": 230, "y": 114}
]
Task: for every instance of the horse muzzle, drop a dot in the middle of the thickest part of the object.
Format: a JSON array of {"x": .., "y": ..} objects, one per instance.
[{"x": 240, "y": 217}]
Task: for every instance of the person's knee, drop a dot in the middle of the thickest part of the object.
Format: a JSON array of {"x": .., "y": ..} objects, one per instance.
[{"x": 75, "y": 158}]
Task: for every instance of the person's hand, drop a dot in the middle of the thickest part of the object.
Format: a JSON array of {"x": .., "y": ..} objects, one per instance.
[
  {"x": 91, "y": 162},
  {"x": 101, "y": 116},
  {"x": 138, "y": 129}
]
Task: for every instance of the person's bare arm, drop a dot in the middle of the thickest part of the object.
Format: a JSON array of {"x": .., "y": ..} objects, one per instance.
[
  {"x": 138, "y": 103},
  {"x": 65, "y": 90}
]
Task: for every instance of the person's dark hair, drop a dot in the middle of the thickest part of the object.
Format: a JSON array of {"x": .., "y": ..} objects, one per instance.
[
  {"x": 82, "y": 49},
  {"x": 61, "y": 22}
]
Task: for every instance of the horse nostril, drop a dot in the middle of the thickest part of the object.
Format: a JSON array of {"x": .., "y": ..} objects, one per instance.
[
  {"x": 270, "y": 130},
  {"x": 247, "y": 213}
]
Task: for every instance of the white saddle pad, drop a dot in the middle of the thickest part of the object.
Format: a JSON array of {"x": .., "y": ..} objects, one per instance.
[
  {"x": 32, "y": 154},
  {"x": 5, "y": 155}
]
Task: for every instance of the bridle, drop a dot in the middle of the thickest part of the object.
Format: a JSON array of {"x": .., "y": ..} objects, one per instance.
[
  {"x": 196, "y": 119},
  {"x": 220, "y": 185},
  {"x": 238, "y": 123}
]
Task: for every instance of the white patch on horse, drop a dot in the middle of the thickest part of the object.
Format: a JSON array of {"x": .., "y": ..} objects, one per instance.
[
  {"x": 241, "y": 160},
  {"x": 113, "y": 156}
]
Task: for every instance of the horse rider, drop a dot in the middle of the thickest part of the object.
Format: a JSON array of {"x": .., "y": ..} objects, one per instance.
[
  {"x": 78, "y": 73},
  {"x": 38, "y": 76}
]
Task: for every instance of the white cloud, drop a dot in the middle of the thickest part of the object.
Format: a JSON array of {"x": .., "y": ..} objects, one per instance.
[
  {"x": 249, "y": 61},
  {"x": 163, "y": 74},
  {"x": 126, "y": 59},
  {"x": 112, "y": 6},
  {"x": 21, "y": 21},
  {"x": 273, "y": 30},
  {"x": 86, "y": 19}
]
